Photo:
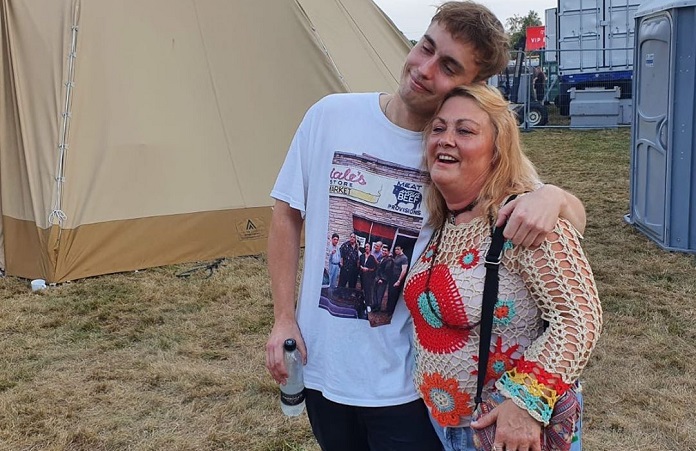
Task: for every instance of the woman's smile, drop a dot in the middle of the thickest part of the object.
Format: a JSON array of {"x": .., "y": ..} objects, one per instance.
[{"x": 459, "y": 149}]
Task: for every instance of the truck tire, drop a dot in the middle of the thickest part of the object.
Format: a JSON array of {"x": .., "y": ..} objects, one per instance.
[{"x": 538, "y": 115}]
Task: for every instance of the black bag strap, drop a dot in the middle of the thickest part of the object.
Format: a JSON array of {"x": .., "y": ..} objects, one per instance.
[{"x": 490, "y": 297}]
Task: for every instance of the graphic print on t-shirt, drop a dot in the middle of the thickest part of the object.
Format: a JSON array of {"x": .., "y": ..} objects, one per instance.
[{"x": 375, "y": 205}]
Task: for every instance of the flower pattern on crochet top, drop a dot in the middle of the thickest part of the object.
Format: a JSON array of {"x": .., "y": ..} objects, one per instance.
[
  {"x": 433, "y": 304},
  {"x": 428, "y": 254},
  {"x": 503, "y": 312},
  {"x": 446, "y": 402},
  {"x": 499, "y": 361},
  {"x": 469, "y": 258}
]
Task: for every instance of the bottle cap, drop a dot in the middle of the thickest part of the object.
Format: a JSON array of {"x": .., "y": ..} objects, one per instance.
[{"x": 290, "y": 344}]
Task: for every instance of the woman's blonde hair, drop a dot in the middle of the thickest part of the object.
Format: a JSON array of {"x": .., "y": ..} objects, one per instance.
[{"x": 511, "y": 171}]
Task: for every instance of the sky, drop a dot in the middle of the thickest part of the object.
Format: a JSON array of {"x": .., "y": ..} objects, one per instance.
[{"x": 412, "y": 17}]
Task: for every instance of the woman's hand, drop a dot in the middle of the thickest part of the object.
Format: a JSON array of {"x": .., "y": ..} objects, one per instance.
[{"x": 516, "y": 430}]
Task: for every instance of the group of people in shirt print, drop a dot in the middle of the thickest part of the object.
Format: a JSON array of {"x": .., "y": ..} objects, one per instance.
[{"x": 378, "y": 270}]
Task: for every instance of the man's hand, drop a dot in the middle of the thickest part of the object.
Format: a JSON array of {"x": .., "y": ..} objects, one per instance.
[
  {"x": 283, "y": 258},
  {"x": 515, "y": 428},
  {"x": 275, "y": 362},
  {"x": 534, "y": 215}
]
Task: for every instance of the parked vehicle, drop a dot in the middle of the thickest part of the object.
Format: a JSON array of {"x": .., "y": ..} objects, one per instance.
[{"x": 516, "y": 85}]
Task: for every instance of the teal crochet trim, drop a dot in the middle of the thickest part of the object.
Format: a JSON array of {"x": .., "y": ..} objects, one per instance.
[{"x": 534, "y": 404}]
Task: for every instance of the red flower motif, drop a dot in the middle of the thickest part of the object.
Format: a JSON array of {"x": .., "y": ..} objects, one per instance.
[
  {"x": 502, "y": 312},
  {"x": 469, "y": 258},
  {"x": 446, "y": 402},
  {"x": 499, "y": 361},
  {"x": 429, "y": 253},
  {"x": 429, "y": 309}
]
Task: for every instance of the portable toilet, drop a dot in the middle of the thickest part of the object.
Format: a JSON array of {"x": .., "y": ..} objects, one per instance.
[{"x": 663, "y": 140}]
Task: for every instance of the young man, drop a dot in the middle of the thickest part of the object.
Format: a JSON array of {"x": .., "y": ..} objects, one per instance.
[
  {"x": 396, "y": 281},
  {"x": 349, "y": 154},
  {"x": 334, "y": 257},
  {"x": 349, "y": 263},
  {"x": 384, "y": 275}
]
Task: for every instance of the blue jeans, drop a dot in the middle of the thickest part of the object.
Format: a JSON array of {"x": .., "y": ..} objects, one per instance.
[
  {"x": 454, "y": 439},
  {"x": 334, "y": 271},
  {"x": 576, "y": 445},
  {"x": 462, "y": 438}
]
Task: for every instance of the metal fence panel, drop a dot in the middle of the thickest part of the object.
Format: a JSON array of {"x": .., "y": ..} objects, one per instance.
[{"x": 541, "y": 93}]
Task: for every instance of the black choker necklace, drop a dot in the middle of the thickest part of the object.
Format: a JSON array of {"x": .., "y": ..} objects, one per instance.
[{"x": 459, "y": 211}]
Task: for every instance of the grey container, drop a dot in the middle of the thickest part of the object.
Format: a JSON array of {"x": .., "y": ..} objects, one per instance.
[
  {"x": 594, "y": 107},
  {"x": 663, "y": 140}
]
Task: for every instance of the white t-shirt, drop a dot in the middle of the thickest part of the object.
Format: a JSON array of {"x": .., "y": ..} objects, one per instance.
[{"x": 350, "y": 170}]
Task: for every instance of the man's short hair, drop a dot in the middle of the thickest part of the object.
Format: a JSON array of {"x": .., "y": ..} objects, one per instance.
[
  {"x": 335, "y": 235},
  {"x": 475, "y": 24}
]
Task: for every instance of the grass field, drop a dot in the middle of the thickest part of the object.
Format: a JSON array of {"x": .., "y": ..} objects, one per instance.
[{"x": 150, "y": 361}]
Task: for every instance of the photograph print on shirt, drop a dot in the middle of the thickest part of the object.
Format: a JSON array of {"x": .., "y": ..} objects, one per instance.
[{"x": 375, "y": 214}]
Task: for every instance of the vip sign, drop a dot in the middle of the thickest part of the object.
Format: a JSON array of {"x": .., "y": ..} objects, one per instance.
[{"x": 535, "y": 38}]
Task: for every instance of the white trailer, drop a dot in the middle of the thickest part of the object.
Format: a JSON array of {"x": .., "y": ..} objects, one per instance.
[{"x": 595, "y": 40}]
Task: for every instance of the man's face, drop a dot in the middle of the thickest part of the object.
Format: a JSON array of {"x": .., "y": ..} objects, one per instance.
[
  {"x": 397, "y": 250},
  {"x": 385, "y": 251},
  {"x": 352, "y": 238},
  {"x": 433, "y": 67},
  {"x": 334, "y": 240}
]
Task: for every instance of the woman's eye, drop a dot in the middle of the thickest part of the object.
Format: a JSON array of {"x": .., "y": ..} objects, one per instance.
[{"x": 438, "y": 129}]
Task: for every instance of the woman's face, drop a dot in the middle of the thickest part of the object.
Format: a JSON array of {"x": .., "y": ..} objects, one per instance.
[
  {"x": 459, "y": 147},
  {"x": 367, "y": 248}
]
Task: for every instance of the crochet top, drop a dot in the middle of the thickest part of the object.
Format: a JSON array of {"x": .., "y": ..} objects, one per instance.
[{"x": 531, "y": 362}]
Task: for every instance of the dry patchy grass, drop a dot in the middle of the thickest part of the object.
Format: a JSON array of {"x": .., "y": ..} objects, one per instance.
[
  {"x": 142, "y": 361},
  {"x": 149, "y": 361},
  {"x": 640, "y": 384}
]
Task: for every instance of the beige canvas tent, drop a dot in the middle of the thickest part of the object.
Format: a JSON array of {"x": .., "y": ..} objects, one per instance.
[{"x": 138, "y": 133}]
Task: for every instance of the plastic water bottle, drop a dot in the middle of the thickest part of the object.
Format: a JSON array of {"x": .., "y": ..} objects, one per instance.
[{"x": 292, "y": 394}]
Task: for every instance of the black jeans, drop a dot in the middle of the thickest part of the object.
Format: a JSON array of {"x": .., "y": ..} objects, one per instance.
[{"x": 339, "y": 427}]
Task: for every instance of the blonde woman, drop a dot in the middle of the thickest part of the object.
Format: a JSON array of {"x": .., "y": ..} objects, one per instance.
[{"x": 547, "y": 318}]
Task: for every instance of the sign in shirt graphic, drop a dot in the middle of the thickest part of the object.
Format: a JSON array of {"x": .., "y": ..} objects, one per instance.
[{"x": 375, "y": 213}]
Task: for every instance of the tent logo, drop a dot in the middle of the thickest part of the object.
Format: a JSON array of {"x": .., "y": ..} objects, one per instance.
[{"x": 251, "y": 229}]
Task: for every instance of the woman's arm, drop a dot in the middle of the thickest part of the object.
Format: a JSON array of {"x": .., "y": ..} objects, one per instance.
[{"x": 559, "y": 278}]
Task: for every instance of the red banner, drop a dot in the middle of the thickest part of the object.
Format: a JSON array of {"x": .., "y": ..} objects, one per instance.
[{"x": 535, "y": 38}]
